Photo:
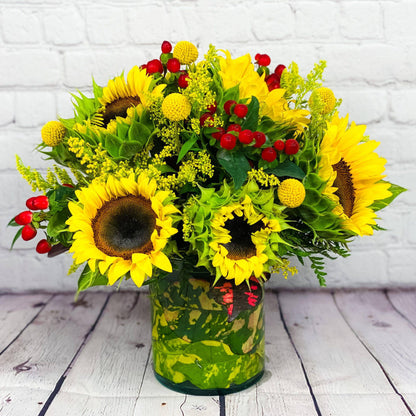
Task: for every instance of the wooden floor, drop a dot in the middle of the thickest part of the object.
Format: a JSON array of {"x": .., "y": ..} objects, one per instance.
[{"x": 346, "y": 353}]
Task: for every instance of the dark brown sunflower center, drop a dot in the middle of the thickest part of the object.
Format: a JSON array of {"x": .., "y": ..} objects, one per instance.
[
  {"x": 123, "y": 226},
  {"x": 345, "y": 185},
  {"x": 118, "y": 108},
  {"x": 241, "y": 246}
]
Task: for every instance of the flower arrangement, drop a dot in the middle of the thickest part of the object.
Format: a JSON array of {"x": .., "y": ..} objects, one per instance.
[{"x": 219, "y": 166}]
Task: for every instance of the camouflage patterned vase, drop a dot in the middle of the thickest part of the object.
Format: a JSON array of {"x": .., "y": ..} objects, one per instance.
[{"x": 207, "y": 340}]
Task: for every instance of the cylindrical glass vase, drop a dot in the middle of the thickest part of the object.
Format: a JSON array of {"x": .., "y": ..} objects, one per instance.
[{"x": 207, "y": 339}]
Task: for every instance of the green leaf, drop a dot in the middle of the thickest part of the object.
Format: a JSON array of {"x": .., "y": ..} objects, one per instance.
[
  {"x": 395, "y": 190},
  {"x": 129, "y": 149},
  {"x": 13, "y": 223},
  {"x": 18, "y": 234},
  {"x": 187, "y": 146},
  {"x": 139, "y": 132},
  {"x": 122, "y": 130},
  {"x": 313, "y": 181},
  {"x": 232, "y": 93},
  {"x": 89, "y": 278},
  {"x": 252, "y": 118},
  {"x": 112, "y": 145},
  {"x": 236, "y": 164},
  {"x": 288, "y": 168}
]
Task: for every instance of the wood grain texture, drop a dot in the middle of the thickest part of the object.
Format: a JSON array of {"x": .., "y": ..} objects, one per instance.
[
  {"x": 389, "y": 337},
  {"x": 16, "y": 311},
  {"x": 32, "y": 366},
  {"x": 351, "y": 353},
  {"x": 338, "y": 366}
]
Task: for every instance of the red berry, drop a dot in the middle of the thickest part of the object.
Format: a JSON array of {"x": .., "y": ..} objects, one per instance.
[
  {"x": 234, "y": 127},
  {"x": 40, "y": 202},
  {"x": 173, "y": 65},
  {"x": 217, "y": 135},
  {"x": 144, "y": 66},
  {"x": 279, "y": 145},
  {"x": 43, "y": 246},
  {"x": 264, "y": 60},
  {"x": 166, "y": 47},
  {"x": 228, "y": 106},
  {"x": 154, "y": 66},
  {"x": 240, "y": 110},
  {"x": 183, "y": 80},
  {"x": 273, "y": 82},
  {"x": 291, "y": 147},
  {"x": 268, "y": 154},
  {"x": 68, "y": 185},
  {"x": 228, "y": 141},
  {"x": 279, "y": 69},
  {"x": 260, "y": 138},
  {"x": 24, "y": 218},
  {"x": 246, "y": 136},
  {"x": 257, "y": 56},
  {"x": 206, "y": 120},
  {"x": 212, "y": 108},
  {"x": 29, "y": 203},
  {"x": 28, "y": 232}
]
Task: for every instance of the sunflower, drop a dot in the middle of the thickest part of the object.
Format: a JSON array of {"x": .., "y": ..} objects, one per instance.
[
  {"x": 120, "y": 99},
  {"x": 353, "y": 172},
  {"x": 236, "y": 233},
  {"x": 241, "y": 72},
  {"x": 121, "y": 226}
]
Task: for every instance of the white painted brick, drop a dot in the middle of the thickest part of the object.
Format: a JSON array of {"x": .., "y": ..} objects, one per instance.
[
  {"x": 63, "y": 26},
  {"x": 20, "y": 25},
  {"x": 361, "y": 20},
  {"x": 6, "y": 108},
  {"x": 143, "y": 28},
  {"x": 364, "y": 106},
  {"x": 403, "y": 106},
  {"x": 81, "y": 66},
  {"x": 399, "y": 20},
  {"x": 12, "y": 202},
  {"x": 272, "y": 22},
  {"x": 64, "y": 105},
  {"x": 23, "y": 143},
  {"x": 27, "y": 67},
  {"x": 401, "y": 269},
  {"x": 105, "y": 25},
  {"x": 317, "y": 20},
  {"x": 207, "y": 20},
  {"x": 375, "y": 64},
  {"x": 34, "y": 108}
]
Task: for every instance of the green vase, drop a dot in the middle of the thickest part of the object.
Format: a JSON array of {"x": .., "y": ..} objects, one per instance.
[{"x": 207, "y": 340}]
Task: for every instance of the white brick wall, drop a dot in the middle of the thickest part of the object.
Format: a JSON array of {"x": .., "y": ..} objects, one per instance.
[{"x": 49, "y": 48}]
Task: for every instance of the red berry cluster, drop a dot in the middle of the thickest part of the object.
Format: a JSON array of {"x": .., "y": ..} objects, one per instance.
[
  {"x": 272, "y": 80},
  {"x": 167, "y": 62},
  {"x": 26, "y": 218},
  {"x": 290, "y": 147}
]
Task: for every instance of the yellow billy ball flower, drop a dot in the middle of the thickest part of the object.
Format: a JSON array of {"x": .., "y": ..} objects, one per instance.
[
  {"x": 52, "y": 133},
  {"x": 327, "y": 98},
  {"x": 176, "y": 107},
  {"x": 186, "y": 52},
  {"x": 291, "y": 193}
]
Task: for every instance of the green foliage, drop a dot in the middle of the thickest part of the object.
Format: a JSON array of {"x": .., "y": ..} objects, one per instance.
[
  {"x": 236, "y": 165},
  {"x": 395, "y": 190},
  {"x": 89, "y": 278}
]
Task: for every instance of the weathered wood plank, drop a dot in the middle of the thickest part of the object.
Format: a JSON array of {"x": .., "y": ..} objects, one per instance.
[
  {"x": 341, "y": 372},
  {"x": 405, "y": 302},
  {"x": 157, "y": 399},
  {"x": 16, "y": 311},
  {"x": 386, "y": 334},
  {"x": 283, "y": 389},
  {"x": 33, "y": 364}
]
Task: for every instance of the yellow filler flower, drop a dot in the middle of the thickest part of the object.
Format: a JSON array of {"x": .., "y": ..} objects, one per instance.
[
  {"x": 122, "y": 226},
  {"x": 291, "y": 193},
  {"x": 53, "y": 132},
  {"x": 186, "y": 52},
  {"x": 176, "y": 107}
]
